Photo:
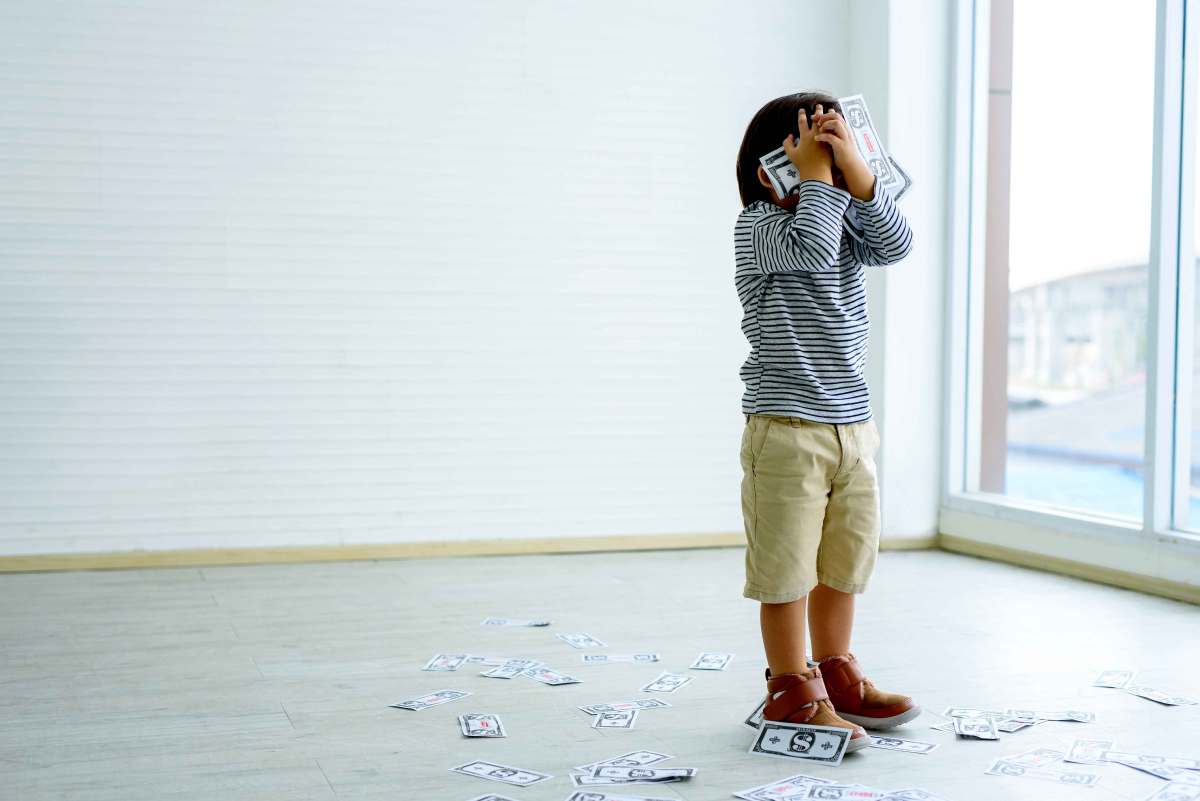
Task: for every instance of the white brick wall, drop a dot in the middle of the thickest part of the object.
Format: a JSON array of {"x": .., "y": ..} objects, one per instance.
[{"x": 280, "y": 273}]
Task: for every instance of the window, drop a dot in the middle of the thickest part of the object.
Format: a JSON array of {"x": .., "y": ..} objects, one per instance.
[
  {"x": 1072, "y": 391},
  {"x": 1070, "y": 145}
]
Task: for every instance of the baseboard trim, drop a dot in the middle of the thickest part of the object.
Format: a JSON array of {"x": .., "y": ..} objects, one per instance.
[
  {"x": 118, "y": 560},
  {"x": 908, "y": 543},
  {"x": 1052, "y": 564},
  {"x": 212, "y": 557}
]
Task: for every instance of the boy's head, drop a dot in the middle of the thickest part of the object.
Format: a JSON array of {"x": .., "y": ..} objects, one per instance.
[{"x": 766, "y": 132}]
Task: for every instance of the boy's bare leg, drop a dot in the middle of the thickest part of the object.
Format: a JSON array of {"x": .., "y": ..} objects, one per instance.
[
  {"x": 783, "y": 636},
  {"x": 830, "y": 620}
]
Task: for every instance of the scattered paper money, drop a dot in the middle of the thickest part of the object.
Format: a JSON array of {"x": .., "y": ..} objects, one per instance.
[
  {"x": 711, "y": 660},
  {"x": 1138, "y": 760},
  {"x": 1161, "y": 697},
  {"x": 477, "y": 725},
  {"x": 580, "y": 640},
  {"x": 489, "y": 661},
  {"x": 504, "y": 621},
  {"x": 1024, "y": 716},
  {"x": 1033, "y": 716},
  {"x": 844, "y": 792},
  {"x": 968, "y": 712},
  {"x": 756, "y": 717},
  {"x": 491, "y": 797},
  {"x": 1177, "y": 775},
  {"x": 907, "y": 746},
  {"x": 980, "y": 728},
  {"x": 597, "y": 658},
  {"x": 1009, "y": 725},
  {"x": 547, "y": 676},
  {"x": 1166, "y": 772},
  {"x": 592, "y": 781},
  {"x": 591, "y": 795},
  {"x": 511, "y": 669},
  {"x": 445, "y": 662},
  {"x": 432, "y": 699},
  {"x": 1175, "y": 791},
  {"x": 634, "y": 759},
  {"x": 616, "y": 706},
  {"x": 913, "y": 794},
  {"x": 502, "y": 773},
  {"x": 1088, "y": 752},
  {"x": 1036, "y": 758},
  {"x": 666, "y": 683},
  {"x": 1003, "y": 724},
  {"x": 792, "y": 787},
  {"x": 1113, "y": 678},
  {"x": 824, "y": 745},
  {"x": 615, "y": 720},
  {"x": 624, "y": 775},
  {"x": 1001, "y": 767}
]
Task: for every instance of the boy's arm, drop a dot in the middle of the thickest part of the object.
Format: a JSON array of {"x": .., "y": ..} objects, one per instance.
[
  {"x": 886, "y": 236},
  {"x": 808, "y": 240}
]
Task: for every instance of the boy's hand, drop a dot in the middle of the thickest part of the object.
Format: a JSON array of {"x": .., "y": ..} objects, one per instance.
[
  {"x": 813, "y": 160},
  {"x": 830, "y": 129}
]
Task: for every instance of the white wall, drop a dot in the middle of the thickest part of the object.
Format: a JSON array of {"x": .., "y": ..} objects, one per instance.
[
  {"x": 901, "y": 59},
  {"x": 316, "y": 272}
]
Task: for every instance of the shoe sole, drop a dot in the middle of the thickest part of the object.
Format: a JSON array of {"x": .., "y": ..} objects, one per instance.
[{"x": 880, "y": 724}]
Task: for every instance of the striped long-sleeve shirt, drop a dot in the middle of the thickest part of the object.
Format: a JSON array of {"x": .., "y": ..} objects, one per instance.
[{"x": 800, "y": 280}]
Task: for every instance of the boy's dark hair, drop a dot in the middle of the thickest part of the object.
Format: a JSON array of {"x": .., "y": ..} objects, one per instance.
[{"x": 766, "y": 132}]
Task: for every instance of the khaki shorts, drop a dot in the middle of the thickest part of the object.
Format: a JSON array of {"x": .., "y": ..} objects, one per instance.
[{"x": 810, "y": 505}]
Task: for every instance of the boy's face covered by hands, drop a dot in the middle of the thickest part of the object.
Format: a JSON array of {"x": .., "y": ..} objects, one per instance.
[
  {"x": 812, "y": 158},
  {"x": 824, "y": 150},
  {"x": 830, "y": 129}
]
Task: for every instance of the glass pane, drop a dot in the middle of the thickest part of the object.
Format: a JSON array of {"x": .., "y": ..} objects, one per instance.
[
  {"x": 1068, "y": 232},
  {"x": 1192, "y": 508}
]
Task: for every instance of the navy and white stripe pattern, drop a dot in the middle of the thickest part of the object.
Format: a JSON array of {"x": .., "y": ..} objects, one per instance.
[{"x": 800, "y": 279}]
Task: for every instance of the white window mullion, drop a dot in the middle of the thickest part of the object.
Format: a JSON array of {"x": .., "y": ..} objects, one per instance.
[
  {"x": 1162, "y": 321},
  {"x": 965, "y": 282},
  {"x": 1186, "y": 287}
]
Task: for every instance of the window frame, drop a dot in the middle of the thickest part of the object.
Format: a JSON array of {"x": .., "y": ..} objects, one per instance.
[{"x": 1169, "y": 306}]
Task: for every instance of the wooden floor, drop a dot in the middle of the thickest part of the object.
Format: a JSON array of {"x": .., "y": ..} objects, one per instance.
[{"x": 273, "y": 682}]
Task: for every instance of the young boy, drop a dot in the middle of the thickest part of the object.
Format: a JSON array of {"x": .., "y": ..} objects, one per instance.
[{"x": 809, "y": 496}]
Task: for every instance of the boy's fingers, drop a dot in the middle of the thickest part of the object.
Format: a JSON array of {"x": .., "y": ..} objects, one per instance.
[{"x": 802, "y": 119}]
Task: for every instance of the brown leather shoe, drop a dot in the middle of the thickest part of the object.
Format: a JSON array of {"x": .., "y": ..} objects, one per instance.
[
  {"x": 858, "y": 700},
  {"x": 801, "y": 698}
]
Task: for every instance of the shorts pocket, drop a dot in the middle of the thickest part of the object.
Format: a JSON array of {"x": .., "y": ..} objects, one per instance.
[{"x": 760, "y": 437}]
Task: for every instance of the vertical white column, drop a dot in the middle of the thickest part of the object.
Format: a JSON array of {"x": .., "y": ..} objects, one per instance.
[{"x": 900, "y": 60}]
